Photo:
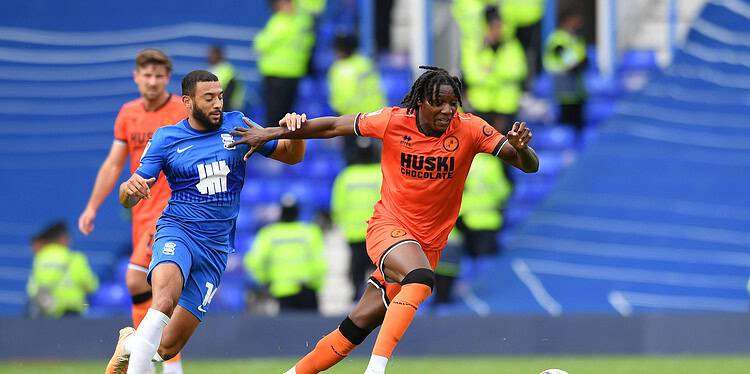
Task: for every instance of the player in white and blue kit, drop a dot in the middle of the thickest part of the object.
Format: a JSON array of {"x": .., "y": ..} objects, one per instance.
[{"x": 195, "y": 233}]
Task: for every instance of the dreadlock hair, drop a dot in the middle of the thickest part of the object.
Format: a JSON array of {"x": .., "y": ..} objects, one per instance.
[{"x": 426, "y": 87}]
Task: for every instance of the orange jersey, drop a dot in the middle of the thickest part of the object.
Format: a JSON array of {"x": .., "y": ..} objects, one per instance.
[
  {"x": 135, "y": 126},
  {"x": 423, "y": 176}
]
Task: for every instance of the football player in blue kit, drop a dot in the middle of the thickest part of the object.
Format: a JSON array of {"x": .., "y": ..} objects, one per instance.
[{"x": 195, "y": 233}]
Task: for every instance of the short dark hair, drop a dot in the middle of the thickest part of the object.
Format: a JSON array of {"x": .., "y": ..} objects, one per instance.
[
  {"x": 192, "y": 79},
  {"x": 289, "y": 208},
  {"x": 569, "y": 12},
  {"x": 346, "y": 44},
  {"x": 491, "y": 14},
  {"x": 426, "y": 86},
  {"x": 271, "y": 3},
  {"x": 51, "y": 233},
  {"x": 151, "y": 56}
]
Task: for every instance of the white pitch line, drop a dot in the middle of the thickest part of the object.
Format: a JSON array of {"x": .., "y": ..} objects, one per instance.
[
  {"x": 625, "y": 274},
  {"x": 642, "y": 228},
  {"x": 652, "y": 204},
  {"x": 545, "y": 300},
  {"x": 640, "y": 252},
  {"x": 620, "y": 303},
  {"x": 703, "y": 303}
]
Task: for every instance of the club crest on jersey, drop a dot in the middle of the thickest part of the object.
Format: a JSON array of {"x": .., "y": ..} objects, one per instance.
[
  {"x": 227, "y": 139},
  {"x": 169, "y": 248},
  {"x": 450, "y": 143},
  {"x": 406, "y": 141},
  {"x": 397, "y": 233},
  {"x": 487, "y": 130}
]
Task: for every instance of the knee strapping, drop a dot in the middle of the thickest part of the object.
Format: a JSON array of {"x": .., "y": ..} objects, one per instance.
[
  {"x": 141, "y": 297},
  {"x": 422, "y": 276},
  {"x": 352, "y": 332}
]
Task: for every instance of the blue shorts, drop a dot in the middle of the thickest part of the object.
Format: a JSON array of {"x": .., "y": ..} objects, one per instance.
[{"x": 201, "y": 267}]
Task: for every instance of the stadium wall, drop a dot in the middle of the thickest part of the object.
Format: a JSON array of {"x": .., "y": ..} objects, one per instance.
[{"x": 242, "y": 337}]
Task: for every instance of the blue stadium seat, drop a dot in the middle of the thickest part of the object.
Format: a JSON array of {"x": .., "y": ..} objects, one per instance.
[
  {"x": 529, "y": 192},
  {"x": 638, "y": 60},
  {"x": 554, "y": 138},
  {"x": 325, "y": 167},
  {"x": 550, "y": 163},
  {"x": 308, "y": 88},
  {"x": 111, "y": 294},
  {"x": 601, "y": 86},
  {"x": 515, "y": 214},
  {"x": 598, "y": 109},
  {"x": 543, "y": 86},
  {"x": 230, "y": 297},
  {"x": 312, "y": 107},
  {"x": 592, "y": 63},
  {"x": 121, "y": 268},
  {"x": 396, "y": 84}
]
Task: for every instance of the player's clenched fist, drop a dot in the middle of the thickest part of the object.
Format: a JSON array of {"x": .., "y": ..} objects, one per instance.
[
  {"x": 136, "y": 188},
  {"x": 519, "y": 135}
]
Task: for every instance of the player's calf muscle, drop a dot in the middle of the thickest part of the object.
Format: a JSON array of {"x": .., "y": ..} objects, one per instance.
[
  {"x": 136, "y": 283},
  {"x": 167, "y": 352},
  {"x": 165, "y": 304},
  {"x": 370, "y": 311}
]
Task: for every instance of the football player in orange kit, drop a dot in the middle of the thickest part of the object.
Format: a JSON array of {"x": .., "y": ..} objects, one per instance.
[
  {"x": 428, "y": 148},
  {"x": 134, "y": 126}
]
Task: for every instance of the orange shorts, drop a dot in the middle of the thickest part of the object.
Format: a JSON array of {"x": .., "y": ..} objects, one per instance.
[
  {"x": 383, "y": 237},
  {"x": 140, "y": 259}
]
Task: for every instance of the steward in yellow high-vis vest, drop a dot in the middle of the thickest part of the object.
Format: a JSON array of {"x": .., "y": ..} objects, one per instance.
[
  {"x": 283, "y": 46},
  {"x": 234, "y": 87},
  {"x": 353, "y": 81},
  {"x": 355, "y": 192},
  {"x": 565, "y": 58},
  {"x": 60, "y": 278},
  {"x": 288, "y": 258},
  {"x": 494, "y": 70},
  {"x": 485, "y": 193}
]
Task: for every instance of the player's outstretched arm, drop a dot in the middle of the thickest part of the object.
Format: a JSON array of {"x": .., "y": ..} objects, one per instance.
[
  {"x": 516, "y": 151},
  {"x": 134, "y": 190},
  {"x": 295, "y": 126},
  {"x": 105, "y": 182}
]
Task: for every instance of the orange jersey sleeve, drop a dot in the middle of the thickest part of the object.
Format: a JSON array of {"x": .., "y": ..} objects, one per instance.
[
  {"x": 120, "y": 126},
  {"x": 373, "y": 124},
  {"x": 486, "y": 137}
]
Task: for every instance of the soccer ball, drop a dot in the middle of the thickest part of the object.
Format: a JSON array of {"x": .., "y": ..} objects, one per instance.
[{"x": 554, "y": 371}]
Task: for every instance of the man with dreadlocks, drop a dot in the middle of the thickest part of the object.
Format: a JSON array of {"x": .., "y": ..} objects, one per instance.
[{"x": 428, "y": 148}]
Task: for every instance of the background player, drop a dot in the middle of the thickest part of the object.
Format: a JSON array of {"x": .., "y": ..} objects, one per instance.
[
  {"x": 136, "y": 122},
  {"x": 196, "y": 231},
  {"x": 427, "y": 151}
]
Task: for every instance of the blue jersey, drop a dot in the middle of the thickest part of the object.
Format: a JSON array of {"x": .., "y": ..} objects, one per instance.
[{"x": 206, "y": 177}]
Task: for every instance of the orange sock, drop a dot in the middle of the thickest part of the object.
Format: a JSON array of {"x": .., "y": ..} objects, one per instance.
[
  {"x": 399, "y": 316},
  {"x": 333, "y": 348},
  {"x": 176, "y": 358}
]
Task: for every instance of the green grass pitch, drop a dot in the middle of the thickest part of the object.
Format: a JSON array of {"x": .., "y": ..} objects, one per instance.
[{"x": 440, "y": 365}]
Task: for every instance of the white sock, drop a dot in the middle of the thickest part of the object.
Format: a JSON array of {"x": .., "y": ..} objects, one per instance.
[
  {"x": 293, "y": 370},
  {"x": 144, "y": 343},
  {"x": 377, "y": 365},
  {"x": 173, "y": 367}
]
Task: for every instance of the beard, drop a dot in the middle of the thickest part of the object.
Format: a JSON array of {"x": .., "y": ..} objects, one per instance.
[{"x": 206, "y": 121}]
